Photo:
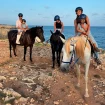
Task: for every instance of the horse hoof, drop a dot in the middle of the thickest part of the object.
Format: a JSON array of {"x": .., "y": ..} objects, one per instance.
[
  {"x": 78, "y": 85},
  {"x": 53, "y": 67},
  {"x": 86, "y": 95}
]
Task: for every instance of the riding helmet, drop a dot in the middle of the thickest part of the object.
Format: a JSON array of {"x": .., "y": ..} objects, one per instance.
[
  {"x": 79, "y": 8},
  {"x": 82, "y": 16},
  {"x": 57, "y": 17},
  {"x": 20, "y": 15},
  {"x": 23, "y": 20}
]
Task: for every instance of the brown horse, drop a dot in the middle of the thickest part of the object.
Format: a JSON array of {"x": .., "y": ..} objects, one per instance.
[{"x": 27, "y": 39}]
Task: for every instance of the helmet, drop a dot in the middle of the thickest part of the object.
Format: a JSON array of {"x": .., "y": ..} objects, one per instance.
[
  {"x": 23, "y": 20},
  {"x": 79, "y": 8},
  {"x": 82, "y": 16},
  {"x": 20, "y": 15},
  {"x": 57, "y": 17}
]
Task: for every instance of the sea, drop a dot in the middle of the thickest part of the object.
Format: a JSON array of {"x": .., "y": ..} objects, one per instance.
[{"x": 98, "y": 33}]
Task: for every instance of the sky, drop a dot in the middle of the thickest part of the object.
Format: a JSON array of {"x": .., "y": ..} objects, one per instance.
[{"x": 42, "y": 12}]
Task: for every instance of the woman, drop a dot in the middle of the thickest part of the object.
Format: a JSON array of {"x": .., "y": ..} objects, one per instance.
[{"x": 58, "y": 25}]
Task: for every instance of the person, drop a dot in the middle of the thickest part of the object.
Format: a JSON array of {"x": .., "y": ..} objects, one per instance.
[
  {"x": 24, "y": 25},
  {"x": 82, "y": 29},
  {"x": 19, "y": 27},
  {"x": 58, "y": 25}
]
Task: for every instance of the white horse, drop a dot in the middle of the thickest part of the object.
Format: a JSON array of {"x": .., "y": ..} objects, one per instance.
[{"x": 79, "y": 49}]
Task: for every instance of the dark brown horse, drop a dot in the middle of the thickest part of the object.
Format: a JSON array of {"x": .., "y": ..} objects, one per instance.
[{"x": 27, "y": 39}]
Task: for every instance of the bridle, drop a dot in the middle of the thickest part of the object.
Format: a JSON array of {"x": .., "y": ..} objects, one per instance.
[{"x": 73, "y": 55}]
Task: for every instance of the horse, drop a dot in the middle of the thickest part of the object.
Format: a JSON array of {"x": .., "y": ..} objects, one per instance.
[
  {"x": 26, "y": 40},
  {"x": 56, "y": 46},
  {"x": 79, "y": 49}
]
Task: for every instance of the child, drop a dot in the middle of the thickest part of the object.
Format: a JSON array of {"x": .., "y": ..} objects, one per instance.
[{"x": 24, "y": 25}]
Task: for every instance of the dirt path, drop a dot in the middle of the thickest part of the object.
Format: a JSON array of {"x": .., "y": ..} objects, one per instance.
[{"x": 39, "y": 84}]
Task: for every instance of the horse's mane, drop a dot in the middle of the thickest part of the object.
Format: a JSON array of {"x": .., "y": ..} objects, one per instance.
[{"x": 80, "y": 46}]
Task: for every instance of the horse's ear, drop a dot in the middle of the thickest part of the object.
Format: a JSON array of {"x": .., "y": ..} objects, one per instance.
[
  {"x": 51, "y": 32},
  {"x": 63, "y": 40},
  {"x": 42, "y": 26}
]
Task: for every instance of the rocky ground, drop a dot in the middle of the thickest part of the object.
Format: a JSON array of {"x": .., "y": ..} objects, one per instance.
[{"x": 26, "y": 83}]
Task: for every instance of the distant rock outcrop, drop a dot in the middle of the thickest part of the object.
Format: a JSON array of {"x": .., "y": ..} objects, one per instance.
[{"x": 4, "y": 30}]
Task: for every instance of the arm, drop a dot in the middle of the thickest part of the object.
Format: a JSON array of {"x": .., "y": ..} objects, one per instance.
[
  {"x": 62, "y": 27},
  {"x": 75, "y": 26},
  {"x": 88, "y": 23},
  {"x": 54, "y": 26},
  {"x": 79, "y": 30}
]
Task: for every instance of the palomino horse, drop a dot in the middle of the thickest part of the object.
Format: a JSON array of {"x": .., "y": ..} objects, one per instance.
[
  {"x": 56, "y": 46},
  {"x": 28, "y": 39},
  {"x": 79, "y": 49}
]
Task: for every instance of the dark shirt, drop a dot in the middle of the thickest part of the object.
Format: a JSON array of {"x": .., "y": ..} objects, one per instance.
[{"x": 58, "y": 25}]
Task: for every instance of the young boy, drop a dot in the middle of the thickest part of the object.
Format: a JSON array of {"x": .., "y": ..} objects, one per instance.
[{"x": 24, "y": 25}]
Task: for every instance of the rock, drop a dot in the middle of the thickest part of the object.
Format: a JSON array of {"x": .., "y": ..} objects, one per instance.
[
  {"x": 13, "y": 78},
  {"x": 56, "y": 103},
  {"x": 2, "y": 78},
  {"x": 1, "y": 85},
  {"x": 9, "y": 99},
  {"x": 39, "y": 89},
  {"x": 9, "y": 91},
  {"x": 21, "y": 101},
  {"x": 28, "y": 80}
]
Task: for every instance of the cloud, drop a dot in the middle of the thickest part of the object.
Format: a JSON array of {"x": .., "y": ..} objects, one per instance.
[
  {"x": 46, "y": 17},
  {"x": 46, "y": 7},
  {"x": 39, "y": 14},
  {"x": 95, "y": 14}
]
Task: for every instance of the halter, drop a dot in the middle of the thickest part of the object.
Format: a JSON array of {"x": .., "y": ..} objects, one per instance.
[{"x": 71, "y": 56}]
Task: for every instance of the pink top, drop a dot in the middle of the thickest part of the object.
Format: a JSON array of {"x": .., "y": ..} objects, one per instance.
[{"x": 18, "y": 25}]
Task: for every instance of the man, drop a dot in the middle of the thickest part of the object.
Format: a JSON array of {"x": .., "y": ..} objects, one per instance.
[{"x": 19, "y": 27}]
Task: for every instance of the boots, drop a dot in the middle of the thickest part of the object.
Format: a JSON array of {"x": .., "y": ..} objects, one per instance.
[
  {"x": 96, "y": 48},
  {"x": 97, "y": 60},
  {"x": 18, "y": 38}
]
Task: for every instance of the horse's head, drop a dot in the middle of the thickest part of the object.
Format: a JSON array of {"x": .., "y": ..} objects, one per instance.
[
  {"x": 68, "y": 51},
  {"x": 38, "y": 32}
]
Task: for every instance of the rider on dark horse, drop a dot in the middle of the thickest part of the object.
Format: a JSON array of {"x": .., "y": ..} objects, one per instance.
[
  {"x": 19, "y": 26},
  {"x": 58, "y": 25}
]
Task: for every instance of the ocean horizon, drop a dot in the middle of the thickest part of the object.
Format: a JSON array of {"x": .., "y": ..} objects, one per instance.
[{"x": 98, "y": 32}]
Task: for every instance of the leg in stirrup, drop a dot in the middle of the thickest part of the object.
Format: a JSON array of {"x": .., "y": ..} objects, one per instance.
[{"x": 18, "y": 38}]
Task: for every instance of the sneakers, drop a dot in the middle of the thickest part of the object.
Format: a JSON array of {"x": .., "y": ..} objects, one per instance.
[
  {"x": 97, "y": 60},
  {"x": 97, "y": 49}
]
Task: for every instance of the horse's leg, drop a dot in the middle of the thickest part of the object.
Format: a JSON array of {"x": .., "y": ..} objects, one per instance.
[
  {"x": 58, "y": 58},
  {"x": 31, "y": 53},
  {"x": 86, "y": 79},
  {"x": 25, "y": 50},
  {"x": 53, "y": 57},
  {"x": 78, "y": 74},
  {"x": 10, "y": 49},
  {"x": 14, "y": 49}
]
